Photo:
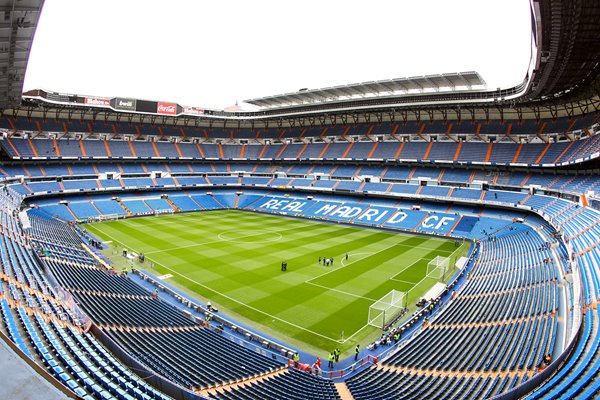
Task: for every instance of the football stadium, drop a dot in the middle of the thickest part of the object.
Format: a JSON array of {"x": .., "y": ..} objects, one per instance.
[{"x": 423, "y": 237}]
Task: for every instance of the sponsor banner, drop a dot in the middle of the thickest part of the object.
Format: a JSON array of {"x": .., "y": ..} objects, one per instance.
[
  {"x": 96, "y": 101},
  {"x": 193, "y": 110},
  {"x": 166, "y": 108},
  {"x": 125, "y": 104}
]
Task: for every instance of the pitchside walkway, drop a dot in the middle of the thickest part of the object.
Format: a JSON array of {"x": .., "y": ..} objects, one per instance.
[{"x": 305, "y": 357}]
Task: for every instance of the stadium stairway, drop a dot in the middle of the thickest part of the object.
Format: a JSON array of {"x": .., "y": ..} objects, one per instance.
[
  {"x": 177, "y": 209},
  {"x": 150, "y": 327},
  {"x": 290, "y": 385},
  {"x": 578, "y": 378},
  {"x": 463, "y": 384},
  {"x": 343, "y": 391},
  {"x": 124, "y": 207},
  {"x": 476, "y": 348},
  {"x": 237, "y": 384},
  {"x": 41, "y": 328}
]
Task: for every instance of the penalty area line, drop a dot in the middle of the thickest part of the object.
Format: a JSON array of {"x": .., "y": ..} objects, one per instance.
[
  {"x": 340, "y": 291},
  {"x": 230, "y": 298},
  {"x": 353, "y": 260},
  {"x": 246, "y": 305},
  {"x": 392, "y": 278},
  {"x": 402, "y": 281},
  {"x": 332, "y": 269},
  {"x": 255, "y": 309},
  {"x": 368, "y": 254},
  {"x": 354, "y": 334}
]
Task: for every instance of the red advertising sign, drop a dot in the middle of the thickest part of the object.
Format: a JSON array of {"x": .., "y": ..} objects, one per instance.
[
  {"x": 95, "y": 101},
  {"x": 166, "y": 108}
]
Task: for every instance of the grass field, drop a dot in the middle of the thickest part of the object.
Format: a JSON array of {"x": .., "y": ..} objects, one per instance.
[{"x": 233, "y": 259}]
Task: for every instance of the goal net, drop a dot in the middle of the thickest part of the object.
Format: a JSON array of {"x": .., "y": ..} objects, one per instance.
[
  {"x": 387, "y": 309},
  {"x": 438, "y": 268}
]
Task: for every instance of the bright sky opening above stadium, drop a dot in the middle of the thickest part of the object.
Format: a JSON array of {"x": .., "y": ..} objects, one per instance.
[{"x": 216, "y": 54}]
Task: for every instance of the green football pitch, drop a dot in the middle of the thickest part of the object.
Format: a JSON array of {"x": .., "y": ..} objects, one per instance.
[{"x": 233, "y": 259}]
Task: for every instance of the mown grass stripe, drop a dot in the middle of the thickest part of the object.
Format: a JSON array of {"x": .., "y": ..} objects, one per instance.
[{"x": 242, "y": 273}]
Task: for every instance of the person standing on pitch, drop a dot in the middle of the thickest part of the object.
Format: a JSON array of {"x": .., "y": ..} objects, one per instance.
[{"x": 356, "y": 351}]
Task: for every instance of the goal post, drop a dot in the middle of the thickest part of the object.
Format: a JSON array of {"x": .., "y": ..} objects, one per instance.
[
  {"x": 442, "y": 268},
  {"x": 387, "y": 309},
  {"x": 438, "y": 268}
]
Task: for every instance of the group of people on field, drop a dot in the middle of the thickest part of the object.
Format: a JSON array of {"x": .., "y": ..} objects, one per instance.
[
  {"x": 325, "y": 261},
  {"x": 328, "y": 261}
]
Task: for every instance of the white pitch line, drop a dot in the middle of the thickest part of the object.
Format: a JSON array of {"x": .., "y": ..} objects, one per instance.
[
  {"x": 340, "y": 291},
  {"x": 109, "y": 236},
  {"x": 234, "y": 300},
  {"x": 400, "y": 280},
  {"x": 354, "y": 334},
  {"x": 404, "y": 269},
  {"x": 266, "y": 231},
  {"x": 370, "y": 254},
  {"x": 183, "y": 247},
  {"x": 355, "y": 254},
  {"x": 355, "y": 295},
  {"x": 237, "y": 240},
  {"x": 308, "y": 281},
  {"x": 245, "y": 305},
  {"x": 181, "y": 218},
  {"x": 136, "y": 221},
  {"x": 335, "y": 269}
]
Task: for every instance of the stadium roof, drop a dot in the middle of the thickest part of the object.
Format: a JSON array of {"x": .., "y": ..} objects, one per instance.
[
  {"x": 564, "y": 77},
  {"x": 568, "y": 39},
  {"x": 20, "y": 18},
  {"x": 389, "y": 87}
]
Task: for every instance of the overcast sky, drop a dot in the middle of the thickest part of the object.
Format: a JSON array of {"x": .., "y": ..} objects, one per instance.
[{"x": 214, "y": 53}]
